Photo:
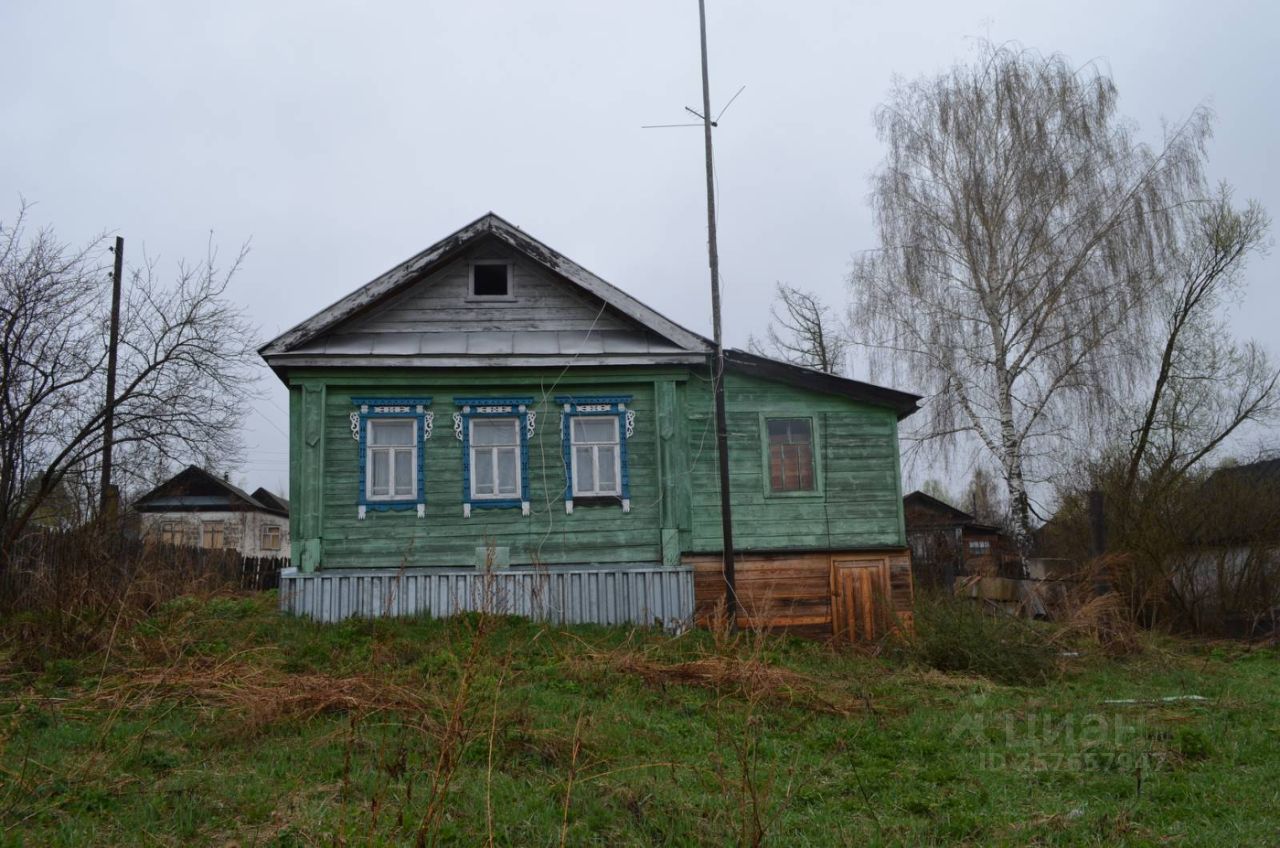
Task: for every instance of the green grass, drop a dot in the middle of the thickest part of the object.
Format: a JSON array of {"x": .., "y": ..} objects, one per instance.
[{"x": 219, "y": 722}]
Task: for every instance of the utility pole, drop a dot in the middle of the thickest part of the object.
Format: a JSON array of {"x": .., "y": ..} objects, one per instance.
[
  {"x": 110, "y": 495},
  {"x": 717, "y": 376}
]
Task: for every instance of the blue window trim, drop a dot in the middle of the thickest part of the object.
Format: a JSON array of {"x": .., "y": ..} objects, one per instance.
[
  {"x": 494, "y": 407},
  {"x": 371, "y": 408},
  {"x": 615, "y": 406}
]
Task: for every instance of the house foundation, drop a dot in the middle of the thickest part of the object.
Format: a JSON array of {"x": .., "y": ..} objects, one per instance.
[{"x": 641, "y": 594}]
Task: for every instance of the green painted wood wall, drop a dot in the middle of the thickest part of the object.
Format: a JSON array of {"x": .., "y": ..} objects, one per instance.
[
  {"x": 859, "y": 472},
  {"x": 674, "y": 492}
]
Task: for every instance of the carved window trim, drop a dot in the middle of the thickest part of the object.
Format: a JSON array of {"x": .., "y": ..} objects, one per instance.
[
  {"x": 583, "y": 406},
  {"x": 471, "y": 408},
  {"x": 416, "y": 409}
]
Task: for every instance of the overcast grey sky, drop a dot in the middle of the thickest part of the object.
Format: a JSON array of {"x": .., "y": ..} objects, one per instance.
[{"x": 342, "y": 138}]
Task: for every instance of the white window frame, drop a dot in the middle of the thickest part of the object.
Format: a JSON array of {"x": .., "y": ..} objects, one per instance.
[
  {"x": 616, "y": 491},
  {"x": 511, "y": 280},
  {"x": 518, "y": 495},
  {"x": 370, "y": 448},
  {"x": 279, "y": 540}
]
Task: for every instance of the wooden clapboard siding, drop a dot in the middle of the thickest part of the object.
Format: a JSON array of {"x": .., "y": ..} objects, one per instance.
[
  {"x": 439, "y": 301},
  {"x": 673, "y": 482},
  {"x": 600, "y": 534},
  {"x": 672, "y": 464},
  {"x": 857, "y": 450}
]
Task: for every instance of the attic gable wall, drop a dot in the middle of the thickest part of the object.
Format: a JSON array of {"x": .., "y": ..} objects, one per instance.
[{"x": 440, "y": 303}]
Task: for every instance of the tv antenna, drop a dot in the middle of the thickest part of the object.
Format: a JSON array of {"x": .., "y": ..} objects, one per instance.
[
  {"x": 717, "y": 371},
  {"x": 715, "y": 122}
]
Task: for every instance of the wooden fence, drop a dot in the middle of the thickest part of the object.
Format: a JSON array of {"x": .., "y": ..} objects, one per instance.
[{"x": 46, "y": 567}]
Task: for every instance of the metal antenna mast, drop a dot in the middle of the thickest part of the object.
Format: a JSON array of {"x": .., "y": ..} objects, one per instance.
[{"x": 717, "y": 375}]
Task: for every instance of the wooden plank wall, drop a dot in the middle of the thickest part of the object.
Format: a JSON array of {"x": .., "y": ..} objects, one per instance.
[
  {"x": 439, "y": 303},
  {"x": 859, "y": 503},
  {"x": 592, "y": 534},
  {"x": 791, "y": 592}
]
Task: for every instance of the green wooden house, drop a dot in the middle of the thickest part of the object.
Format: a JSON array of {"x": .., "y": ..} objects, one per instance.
[{"x": 488, "y": 418}]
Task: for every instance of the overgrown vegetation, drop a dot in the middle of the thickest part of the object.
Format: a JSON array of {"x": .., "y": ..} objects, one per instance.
[
  {"x": 70, "y": 593},
  {"x": 216, "y": 721},
  {"x": 959, "y": 635}
]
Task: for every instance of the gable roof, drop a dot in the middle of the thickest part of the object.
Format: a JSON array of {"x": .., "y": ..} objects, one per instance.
[
  {"x": 348, "y": 332},
  {"x": 929, "y": 502},
  {"x": 194, "y": 489},
  {"x": 949, "y": 515},
  {"x": 284, "y": 349},
  {"x": 271, "y": 500}
]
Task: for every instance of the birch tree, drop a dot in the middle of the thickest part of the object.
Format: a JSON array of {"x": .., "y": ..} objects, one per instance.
[
  {"x": 185, "y": 367},
  {"x": 1020, "y": 220}
]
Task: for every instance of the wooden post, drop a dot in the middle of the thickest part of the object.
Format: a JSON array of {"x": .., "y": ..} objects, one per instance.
[
  {"x": 717, "y": 375},
  {"x": 109, "y": 494},
  {"x": 1097, "y": 524}
]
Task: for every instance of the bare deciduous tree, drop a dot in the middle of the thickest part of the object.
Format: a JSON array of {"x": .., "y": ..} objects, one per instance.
[
  {"x": 1204, "y": 384},
  {"x": 803, "y": 332},
  {"x": 184, "y": 373},
  {"x": 982, "y": 498},
  {"x": 1019, "y": 220}
]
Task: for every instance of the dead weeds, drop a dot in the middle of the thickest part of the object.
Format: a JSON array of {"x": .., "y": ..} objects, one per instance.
[
  {"x": 743, "y": 676},
  {"x": 258, "y": 693}
]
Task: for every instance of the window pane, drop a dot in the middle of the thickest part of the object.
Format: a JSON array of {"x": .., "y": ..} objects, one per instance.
[
  {"x": 507, "y": 471},
  {"x": 404, "y": 472},
  {"x": 583, "y": 481},
  {"x": 595, "y": 429},
  {"x": 495, "y": 431},
  {"x": 608, "y": 479},
  {"x": 482, "y": 471},
  {"x": 397, "y": 432},
  {"x": 790, "y": 454},
  {"x": 381, "y": 483},
  {"x": 491, "y": 280},
  {"x": 789, "y": 430}
]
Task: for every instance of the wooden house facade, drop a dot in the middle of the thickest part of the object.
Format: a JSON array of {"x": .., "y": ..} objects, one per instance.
[
  {"x": 490, "y": 406},
  {"x": 197, "y": 509},
  {"x": 947, "y": 542}
]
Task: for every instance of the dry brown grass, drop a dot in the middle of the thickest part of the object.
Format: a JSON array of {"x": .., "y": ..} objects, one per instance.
[
  {"x": 261, "y": 695},
  {"x": 1099, "y": 618},
  {"x": 749, "y": 677}
]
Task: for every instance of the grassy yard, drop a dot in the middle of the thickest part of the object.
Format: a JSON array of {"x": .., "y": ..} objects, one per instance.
[{"x": 219, "y": 722}]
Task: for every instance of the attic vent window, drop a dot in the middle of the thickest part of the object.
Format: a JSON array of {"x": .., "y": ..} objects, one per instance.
[{"x": 491, "y": 280}]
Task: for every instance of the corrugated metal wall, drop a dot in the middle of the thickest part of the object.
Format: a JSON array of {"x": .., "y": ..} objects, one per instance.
[{"x": 601, "y": 595}]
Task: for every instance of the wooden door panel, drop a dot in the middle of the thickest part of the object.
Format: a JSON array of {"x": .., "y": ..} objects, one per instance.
[{"x": 859, "y": 592}]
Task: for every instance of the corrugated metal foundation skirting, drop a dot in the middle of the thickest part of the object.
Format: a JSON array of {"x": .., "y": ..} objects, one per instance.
[{"x": 642, "y": 595}]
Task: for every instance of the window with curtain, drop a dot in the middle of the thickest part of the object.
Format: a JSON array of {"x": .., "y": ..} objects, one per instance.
[
  {"x": 595, "y": 456},
  {"x": 495, "y": 458},
  {"x": 391, "y": 466},
  {"x": 790, "y": 454}
]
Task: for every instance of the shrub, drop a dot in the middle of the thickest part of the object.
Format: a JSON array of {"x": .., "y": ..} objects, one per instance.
[{"x": 957, "y": 634}]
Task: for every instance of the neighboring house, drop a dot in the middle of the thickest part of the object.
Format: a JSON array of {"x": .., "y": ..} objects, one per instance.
[
  {"x": 947, "y": 542},
  {"x": 491, "y": 402},
  {"x": 199, "y": 509}
]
